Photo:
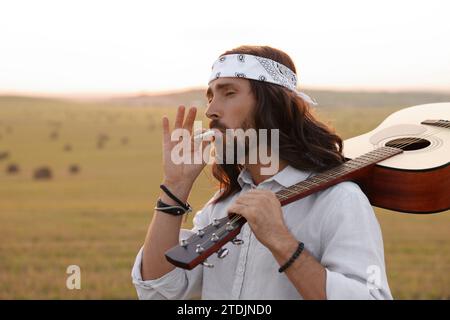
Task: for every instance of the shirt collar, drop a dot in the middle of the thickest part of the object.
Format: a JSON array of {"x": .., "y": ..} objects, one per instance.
[{"x": 286, "y": 177}]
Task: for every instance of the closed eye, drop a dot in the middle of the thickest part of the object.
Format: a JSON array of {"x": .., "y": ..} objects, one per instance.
[{"x": 227, "y": 94}]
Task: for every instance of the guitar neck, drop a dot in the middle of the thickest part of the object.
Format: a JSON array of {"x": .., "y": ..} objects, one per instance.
[
  {"x": 196, "y": 249},
  {"x": 437, "y": 123},
  {"x": 349, "y": 170}
]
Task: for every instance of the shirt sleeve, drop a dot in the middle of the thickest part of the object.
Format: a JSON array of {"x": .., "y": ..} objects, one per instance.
[
  {"x": 178, "y": 283},
  {"x": 352, "y": 248}
]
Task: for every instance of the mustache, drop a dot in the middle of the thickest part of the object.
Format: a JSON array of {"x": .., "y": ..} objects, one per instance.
[{"x": 215, "y": 124}]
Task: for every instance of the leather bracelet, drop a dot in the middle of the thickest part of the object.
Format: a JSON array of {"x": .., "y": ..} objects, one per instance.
[
  {"x": 186, "y": 205},
  {"x": 170, "y": 209},
  {"x": 296, "y": 254}
]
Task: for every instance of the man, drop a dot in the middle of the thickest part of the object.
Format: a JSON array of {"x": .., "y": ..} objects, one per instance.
[{"x": 325, "y": 246}]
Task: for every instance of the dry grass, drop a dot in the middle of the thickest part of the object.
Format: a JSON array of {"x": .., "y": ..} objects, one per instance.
[{"x": 97, "y": 219}]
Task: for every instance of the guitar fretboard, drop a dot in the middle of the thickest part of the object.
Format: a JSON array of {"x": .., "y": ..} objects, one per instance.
[
  {"x": 335, "y": 175},
  {"x": 437, "y": 123}
]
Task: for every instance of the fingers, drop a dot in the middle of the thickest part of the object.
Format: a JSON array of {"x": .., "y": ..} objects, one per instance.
[
  {"x": 256, "y": 194},
  {"x": 237, "y": 208},
  {"x": 165, "y": 127},
  {"x": 188, "y": 124},
  {"x": 179, "y": 117},
  {"x": 190, "y": 118},
  {"x": 257, "y": 198}
]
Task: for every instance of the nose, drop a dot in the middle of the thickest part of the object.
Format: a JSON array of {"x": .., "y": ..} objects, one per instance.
[{"x": 212, "y": 111}]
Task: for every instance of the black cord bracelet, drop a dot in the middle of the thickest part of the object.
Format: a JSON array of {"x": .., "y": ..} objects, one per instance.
[
  {"x": 296, "y": 254},
  {"x": 186, "y": 206},
  {"x": 170, "y": 209}
]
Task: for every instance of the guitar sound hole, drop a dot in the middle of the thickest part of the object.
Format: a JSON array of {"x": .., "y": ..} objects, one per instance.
[{"x": 409, "y": 144}]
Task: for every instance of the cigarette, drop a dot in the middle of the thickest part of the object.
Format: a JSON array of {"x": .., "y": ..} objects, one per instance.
[{"x": 204, "y": 135}]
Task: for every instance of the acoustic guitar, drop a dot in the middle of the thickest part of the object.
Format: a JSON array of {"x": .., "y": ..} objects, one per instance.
[{"x": 402, "y": 165}]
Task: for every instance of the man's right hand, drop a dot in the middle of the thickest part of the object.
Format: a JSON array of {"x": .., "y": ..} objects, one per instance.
[{"x": 179, "y": 177}]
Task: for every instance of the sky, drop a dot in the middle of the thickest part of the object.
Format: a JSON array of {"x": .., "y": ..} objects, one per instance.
[{"x": 115, "y": 47}]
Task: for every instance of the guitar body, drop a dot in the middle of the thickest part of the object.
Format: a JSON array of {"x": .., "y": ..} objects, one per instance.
[{"x": 417, "y": 180}]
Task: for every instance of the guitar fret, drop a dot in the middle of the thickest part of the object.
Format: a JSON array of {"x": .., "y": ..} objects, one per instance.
[
  {"x": 282, "y": 194},
  {"x": 299, "y": 190},
  {"x": 281, "y": 197},
  {"x": 340, "y": 172},
  {"x": 308, "y": 184},
  {"x": 314, "y": 180},
  {"x": 369, "y": 161},
  {"x": 371, "y": 157},
  {"x": 358, "y": 161},
  {"x": 351, "y": 164},
  {"x": 326, "y": 177}
]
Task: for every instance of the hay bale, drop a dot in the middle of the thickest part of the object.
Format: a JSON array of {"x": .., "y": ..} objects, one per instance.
[
  {"x": 101, "y": 140},
  {"x": 4, "y": 155},
  {"x": 42, "y": 173},
  {"x": 124, "y": 140},
  {"x": 12, "y": 168},
  {"x": 74, "y": 169},
  {"x": 103, "y": 137},
  {"x": 54, "y": 135}
]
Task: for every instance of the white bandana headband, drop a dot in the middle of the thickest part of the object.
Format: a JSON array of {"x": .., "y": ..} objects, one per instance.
[{"x": 256, "y": 68}]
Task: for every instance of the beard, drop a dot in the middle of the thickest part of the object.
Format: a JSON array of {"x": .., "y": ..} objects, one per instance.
[{"x": 229, "y": 144}]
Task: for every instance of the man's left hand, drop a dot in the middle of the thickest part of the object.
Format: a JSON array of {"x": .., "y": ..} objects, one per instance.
[{"x": 263, "y": 212}]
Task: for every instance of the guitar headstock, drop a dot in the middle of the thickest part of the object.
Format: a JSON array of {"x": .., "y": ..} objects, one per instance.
[{"x": 197, "y": 248}]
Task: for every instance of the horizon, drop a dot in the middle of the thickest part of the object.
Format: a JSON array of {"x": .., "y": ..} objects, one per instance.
[{"x": 125, "y": 94}]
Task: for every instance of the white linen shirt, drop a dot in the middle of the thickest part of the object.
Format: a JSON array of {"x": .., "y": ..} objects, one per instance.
[{"x": 337, "y": 226}]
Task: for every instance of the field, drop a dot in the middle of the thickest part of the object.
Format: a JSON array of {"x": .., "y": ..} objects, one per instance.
[{"x": 97, "y": 218}]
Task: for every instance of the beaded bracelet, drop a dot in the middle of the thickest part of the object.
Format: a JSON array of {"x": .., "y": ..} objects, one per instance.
[{"x": 296, "y": 254}]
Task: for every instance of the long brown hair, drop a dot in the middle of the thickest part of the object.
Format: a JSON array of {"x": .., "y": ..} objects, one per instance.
[{"x": 304, "y": 142}]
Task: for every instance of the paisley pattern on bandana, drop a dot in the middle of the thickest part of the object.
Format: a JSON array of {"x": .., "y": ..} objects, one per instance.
[
  {"x": 256, "y": 68},
  {"x": 279, "y": 73}
]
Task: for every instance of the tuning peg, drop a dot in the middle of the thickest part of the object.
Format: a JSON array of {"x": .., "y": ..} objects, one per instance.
[
  {"x": 183, "y": 243},
  {"x": 214, "y": 237},
  {"x": 208, "y": 265},
  {"x": 200, "y": 233},
  {"x": 229, "y": 226},
  {"x": 216, "y": 222},
  {"x": 199, "y": 249},
  {"x": 222, "y": 253},
  {"x": 237, "y": 241}
]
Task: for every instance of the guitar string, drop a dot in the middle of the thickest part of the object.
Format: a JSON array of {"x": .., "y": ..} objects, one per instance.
[{"x": 412, "y": 140}]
